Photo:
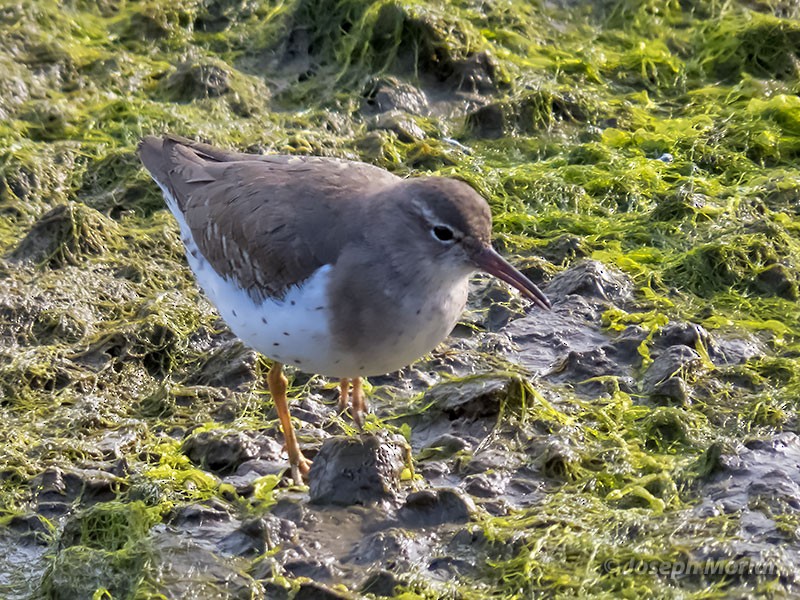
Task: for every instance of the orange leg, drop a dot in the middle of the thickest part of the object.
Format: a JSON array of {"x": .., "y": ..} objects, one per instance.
[
  {"x": 299, "y": 464},
  {"x": 344, "y": 393},
  {"x": 360, "y": 407}
]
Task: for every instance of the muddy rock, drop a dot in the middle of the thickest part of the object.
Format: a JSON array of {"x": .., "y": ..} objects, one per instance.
[
  {"x": 193, "y": 516},
  {"x": 381, "y": 583},
  {"x": 256, "y": 536},
  {"x": 777, "y": 280},
  {"x": 55, "y": 486},
  {"x": 589, "y": 371},
  {"x": 488, "y": 122},
  {"x": 391, "y": 94},
  {"x": 197, "y": 79},
  {"x": 674, "y": 363},
  {"x": 760, "y": 484},
  {"x": 444, "y": 446},
  {"x": 312, "y": 568},
  {"x": 429, "y": 508},
  {"x": 566, "y": 247},
  {"x": 624, "y": 348},
  {"x": 384, "y": 546},
  {"x": 485, "y": 485},
  {"x": 399, "y": 123},
  {"x": 357, "y": 470},
  {"x": 474, "y": 397},
  {"x": 220, "y": 451},
  {"x": 685, "y": 334},
  {"x": 591, "y": 279},
  {"x": 315, "y": 591},
  {"x": 546, "y": 338},
  {"x": 477, "y": 74}
]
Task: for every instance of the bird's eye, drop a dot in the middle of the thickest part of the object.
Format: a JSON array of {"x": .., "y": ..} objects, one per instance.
[{"x": 443, "y": 233}]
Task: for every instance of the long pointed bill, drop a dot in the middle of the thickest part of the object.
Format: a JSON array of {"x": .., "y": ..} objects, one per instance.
[{"x": 491, "y": 262}]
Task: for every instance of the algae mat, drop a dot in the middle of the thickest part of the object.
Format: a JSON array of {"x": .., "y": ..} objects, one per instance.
[{"x": 637, "y": 441}]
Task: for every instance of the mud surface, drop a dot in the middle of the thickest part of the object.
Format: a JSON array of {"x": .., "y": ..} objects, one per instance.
[{"x": 638, "y": 440}]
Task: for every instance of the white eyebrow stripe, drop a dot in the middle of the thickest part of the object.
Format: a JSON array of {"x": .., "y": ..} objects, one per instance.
[{"x": 433, "y": 220}]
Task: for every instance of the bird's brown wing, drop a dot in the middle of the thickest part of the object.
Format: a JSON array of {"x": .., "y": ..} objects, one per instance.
[{"x": 268, "y": 221}]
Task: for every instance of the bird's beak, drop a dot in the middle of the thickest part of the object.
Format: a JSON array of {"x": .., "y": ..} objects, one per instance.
[{"x": 490, "y": 261}]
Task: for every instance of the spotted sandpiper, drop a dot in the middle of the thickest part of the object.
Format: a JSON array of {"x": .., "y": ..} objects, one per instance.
[{"x": 336, "y": 267}]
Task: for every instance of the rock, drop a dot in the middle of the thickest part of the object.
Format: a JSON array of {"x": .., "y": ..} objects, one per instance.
[
  {"x": 257, "y": 536},
  {"x": 193, "y": 79},
  {"x": 545, "y": 338},
  {"x": 474, "y": 397},
  {"x": 401, "y": 124},
  {"x": 478, "y": 73},
  {"x": 591, "y": 279},
  {"x": 318, "y": 570},
  {"x": 684, "y": 334},
  {"x": 90, "y": 485},
  {"x": 357, "y": 470},
  {"x": 488, "y": 122},
  {"x": 193, "y": 516},
  {"x": 777, "y": 280},
  {"x": 490, "y": 459},
  {"x": 383, "y": 547},
  {"x": 314, "y": 591},
  {"x": 49, "y": 486},
  {"x": 443, "y": 447},
  {"x": 381, "y": 583},
  {"x": 625, "y": 347},
  {"x": 484, "y": 486},
  {"x": 275, "y": 591},
  {"x": 759, "y": 487},
  {"x": 589, "y": 371},
  {"x": 31, "y": 527},
  {"x": 429, "y": 508},
  {"x": 675, "y": 361},
  {"x": 388, "y": 94},
  {"x": 221, "y": 451}
]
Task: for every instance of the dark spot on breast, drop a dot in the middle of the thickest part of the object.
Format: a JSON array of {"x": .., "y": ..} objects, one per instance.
[
  {"x": 234, "y": 313},
  {"x": 264, "y": 320},
  {"x": 419, "y": 310},
  {"x": 285, "y": 333},
  {"x": 193, "y": 253},
  {"x": 297, "y": 362},
  {"x": 292, "y": 302},
  {"x": 319, "y": 308},
  {"x": 275, "y": 344},
  {"x": 361, "y": 368},
  {"x": 337, "y": 361}
]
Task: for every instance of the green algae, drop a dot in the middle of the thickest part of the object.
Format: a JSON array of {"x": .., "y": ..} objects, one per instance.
[{"x": 661, "y": 137}]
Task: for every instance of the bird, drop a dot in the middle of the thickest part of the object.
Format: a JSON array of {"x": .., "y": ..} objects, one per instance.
[{"x": 336, "y": 267}]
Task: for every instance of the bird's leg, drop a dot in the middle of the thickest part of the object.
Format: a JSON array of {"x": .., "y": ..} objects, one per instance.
[
  {"x": 299, "y": 464},
  {"x": 359, "y": 403},
  {"x": 344, "y": 393}
]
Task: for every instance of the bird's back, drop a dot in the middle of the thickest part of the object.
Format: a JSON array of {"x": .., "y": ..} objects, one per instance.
[{"x": 269, "y": 221}]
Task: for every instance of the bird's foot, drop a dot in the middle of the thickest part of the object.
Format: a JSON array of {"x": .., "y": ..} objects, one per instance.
[
  {"x": 358, "y": 403},
  {"x": 300, "y": 470}
]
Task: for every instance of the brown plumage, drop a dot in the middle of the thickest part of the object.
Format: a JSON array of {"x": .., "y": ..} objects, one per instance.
[
  {"x": 267, "y": 221},
  {"x": 348, "y": 270}
]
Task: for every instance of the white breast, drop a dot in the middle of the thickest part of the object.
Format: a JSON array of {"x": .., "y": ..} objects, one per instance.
[{"x": 294, "y": 330}]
